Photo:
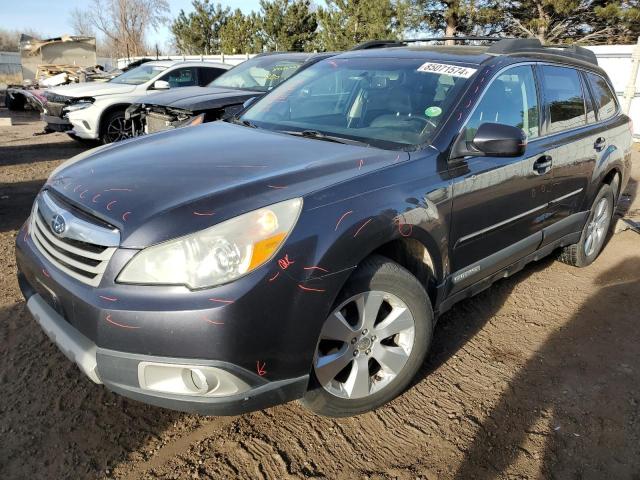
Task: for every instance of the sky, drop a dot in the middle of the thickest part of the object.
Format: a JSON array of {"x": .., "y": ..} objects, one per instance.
[{"x": 52, "y": 17}]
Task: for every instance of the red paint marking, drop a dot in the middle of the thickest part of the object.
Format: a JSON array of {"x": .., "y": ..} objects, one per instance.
[
  {"x": 111, "y": 203},
  {"x": 468, "y": 104},
  {"x": 110, "y": 299},
  {"x": 220, "y": 300},
  {"x": 76, "y": 189},
  {"x": 204, "y": 214},
  {"x": 261, "y": 368},
  {"x": 125, "y": 215},
  {"x": 397, "y": 158},
  {"x": 317, "y": 268},
  {"x": 277, "y": 186},
  {"x": 118, "y": 190},
  {"x": 342, "y": 218},
  {"x": 477, "y": 88},
  {"x": 82, "y": 193},
  {"x": 459, "y": 116},
  {"x": 212, "y": 321},
  {"x": 332, "y": 63},
  {"x": 360, "y": 163},
  {"x": 45, "y": 273},
  {"x": 274, "y": 277},
  {"x": 361, "y": 227},
  {"x": 94, "y": 199},
  {"x": 26, "y": 233},
  {"x": 401, "y": 223},
  {"x": 66, "y": 187},
  {"x": 108, "y": 319},
  {"x": 285, "y": 262},
  {"x": 309, "y": 289}
]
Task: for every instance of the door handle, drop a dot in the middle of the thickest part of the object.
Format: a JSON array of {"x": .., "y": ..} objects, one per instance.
[
  {"x": 543, "y": 164},
  {"x": 601, "y": 142}
]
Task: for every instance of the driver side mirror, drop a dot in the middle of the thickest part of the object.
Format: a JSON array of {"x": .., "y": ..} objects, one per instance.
[
  {"x": 491, "y": 140},
  {"x": 161, "y": 85}
]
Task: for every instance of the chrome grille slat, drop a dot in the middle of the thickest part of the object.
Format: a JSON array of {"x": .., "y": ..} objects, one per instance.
[
  {"x": 84, "y": 264},
  {"x": 105, "y": 255}
]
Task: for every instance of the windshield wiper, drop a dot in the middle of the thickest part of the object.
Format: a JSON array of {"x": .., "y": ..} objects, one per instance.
[
  {"x": 239, "y": 121},
  {"x": 315, "y": 134}
]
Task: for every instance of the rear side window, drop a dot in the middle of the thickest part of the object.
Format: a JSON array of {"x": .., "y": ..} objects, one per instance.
[
  {"x": 603, "y": 96},
  {"x": 564, "y": 100},
  {"x": 181, "y": 77},
  {"x": 511, "y": 100},
  {"x": 207, "y": 75}
]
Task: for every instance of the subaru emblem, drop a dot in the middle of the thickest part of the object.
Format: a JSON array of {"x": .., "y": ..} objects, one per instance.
[{"x": 58, "y": 224}]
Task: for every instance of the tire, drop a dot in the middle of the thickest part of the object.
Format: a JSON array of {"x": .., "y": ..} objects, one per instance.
[
  {"x": 403, "y": 300},
  {"x": 594, "y": 232},
  {"x": 114, "y": 127}
]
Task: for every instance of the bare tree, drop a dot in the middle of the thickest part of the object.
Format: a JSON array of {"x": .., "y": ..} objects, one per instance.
[
  {"x": 81, "y": 24},
  {"x": 123, "y": 23}
]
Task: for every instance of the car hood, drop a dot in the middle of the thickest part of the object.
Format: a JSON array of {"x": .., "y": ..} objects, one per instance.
[
  {"x": 92, "y": 89},
  {"x": 196, "y": 98},
  {"x": 165, "y": 185}
]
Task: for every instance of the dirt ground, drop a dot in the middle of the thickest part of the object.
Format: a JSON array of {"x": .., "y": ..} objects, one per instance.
[{"x": 537, "y": 377}]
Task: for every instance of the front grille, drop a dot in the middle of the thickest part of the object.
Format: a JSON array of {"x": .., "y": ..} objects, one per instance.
[{"x": 81, "y": 260}]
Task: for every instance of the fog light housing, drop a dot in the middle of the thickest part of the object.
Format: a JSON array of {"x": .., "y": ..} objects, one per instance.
[{"x": 195, "y": 380}]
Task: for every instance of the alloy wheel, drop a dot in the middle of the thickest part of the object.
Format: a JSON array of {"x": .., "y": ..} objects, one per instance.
[
  {"x": 597, "y": 228},
  {"x": 364, "y": 344},
  {"x": 118, "y": 129}
]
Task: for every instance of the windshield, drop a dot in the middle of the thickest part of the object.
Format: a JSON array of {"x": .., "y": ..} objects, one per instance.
[
  {"x": 139, "y": 75},
  {"x": 385, "y": 102},
  {"x": 261, "y": 74}
]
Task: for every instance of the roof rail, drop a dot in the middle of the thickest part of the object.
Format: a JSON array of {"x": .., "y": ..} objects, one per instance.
[
  {"x": 533, "y": 45},
  {"x": 400, "y": 43},
  {"x": 500, "y": 46}
]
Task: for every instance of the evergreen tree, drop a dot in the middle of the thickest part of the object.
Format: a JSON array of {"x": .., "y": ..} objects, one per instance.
[
  {"x": 288, "y": 25},
  {"x": 457, "y": 17},
  {"x": 199, "y": 31},
  {"x": 345, "y": 23},
  {"x": 242, "y": 33}
]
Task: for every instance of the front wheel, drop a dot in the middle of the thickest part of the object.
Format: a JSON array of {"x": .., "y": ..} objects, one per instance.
[
  {"x": 373, "y": 342},
  {"x": 594, "y": 232},
  {"x": 115, "y": 127}
]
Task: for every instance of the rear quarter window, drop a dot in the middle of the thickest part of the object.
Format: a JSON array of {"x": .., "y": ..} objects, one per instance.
[
  {"x": 563, "y": 97},
  {"x": 206, "y": 75},
  {"x": 605, "y": 99}
]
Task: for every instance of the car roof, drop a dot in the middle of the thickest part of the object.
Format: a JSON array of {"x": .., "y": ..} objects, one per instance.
[
  {"x": 187, "y": 63},
  {"x": 470, "y": 55}
]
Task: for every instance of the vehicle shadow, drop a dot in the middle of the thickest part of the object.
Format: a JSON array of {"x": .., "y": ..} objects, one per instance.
[
  {"x": 55, "y": 422},
  {"x": 16, "y": 200},
  {"x": 465, "y": 319},
  {"x": 586, "y": 373}
]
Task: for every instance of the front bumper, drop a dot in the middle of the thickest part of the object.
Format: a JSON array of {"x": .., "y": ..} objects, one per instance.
[
  {"x": 56, "y": 124},
  {"x": 120, "y": 371}
]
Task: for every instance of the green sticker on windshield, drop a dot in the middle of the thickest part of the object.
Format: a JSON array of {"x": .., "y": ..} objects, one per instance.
[{"x": 433, "y": 111}]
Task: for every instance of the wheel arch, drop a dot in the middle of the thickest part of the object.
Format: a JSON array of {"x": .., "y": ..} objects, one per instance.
[{"x": 107, "y": 111}]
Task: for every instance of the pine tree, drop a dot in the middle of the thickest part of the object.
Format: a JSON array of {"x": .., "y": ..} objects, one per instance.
[
  {"x": 199, "y": 31},
  {"x": 345, "y": 23},
  {"x": 288, "y": 25}
]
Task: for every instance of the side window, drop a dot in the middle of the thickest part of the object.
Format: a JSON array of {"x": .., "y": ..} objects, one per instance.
[
  {"x": 605, "y": 99},
  {"x": 588, "y": 101},
  {"x": 207, "y": 75},
  {"x": 563, "y": 94},
  {"x": 181, "y": 77},
  {"x": 511, "y": 100}
]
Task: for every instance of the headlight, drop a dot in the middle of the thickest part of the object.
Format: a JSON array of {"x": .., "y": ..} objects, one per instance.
[
  {"x": 79, "y": 105},
  {"x": 218, "y": 254}
]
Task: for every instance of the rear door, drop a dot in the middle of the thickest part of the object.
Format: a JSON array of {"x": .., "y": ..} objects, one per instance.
[
  {"x": 570, "y": 137},
  {"x": 498, "y": 201}
]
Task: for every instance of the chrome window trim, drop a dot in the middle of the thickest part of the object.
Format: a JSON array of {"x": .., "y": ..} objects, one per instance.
[{"x": 540, "y": 63}]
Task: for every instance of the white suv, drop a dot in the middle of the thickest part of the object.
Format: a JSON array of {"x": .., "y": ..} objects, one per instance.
[{"x": 95, "y": 111}]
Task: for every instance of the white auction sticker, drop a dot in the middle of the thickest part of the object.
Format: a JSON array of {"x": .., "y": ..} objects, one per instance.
[{"x": 443, "y": 68}]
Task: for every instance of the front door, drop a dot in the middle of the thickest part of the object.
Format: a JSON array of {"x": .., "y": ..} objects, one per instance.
[{"x": 498, "y": 202}]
